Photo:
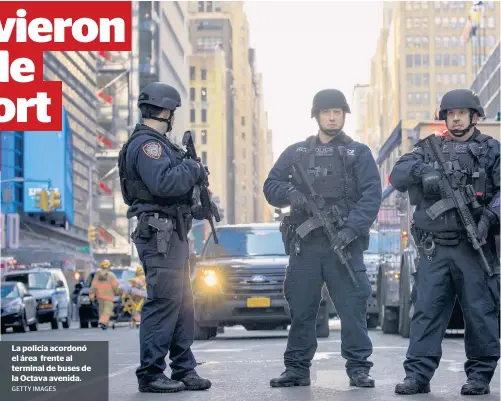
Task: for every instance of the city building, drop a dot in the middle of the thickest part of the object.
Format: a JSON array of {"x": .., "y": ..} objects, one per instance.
[
  {"x": 421, "y": 54},
  {"x": 224, "y": 26},
  {"x": 359, "y": 111},
  {"x": 487, "y": 83}
]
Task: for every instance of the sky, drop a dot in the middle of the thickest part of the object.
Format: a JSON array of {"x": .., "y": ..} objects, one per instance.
[{"x": 303, "y": 47}]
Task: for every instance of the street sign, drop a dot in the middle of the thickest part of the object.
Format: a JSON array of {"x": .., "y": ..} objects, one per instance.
[{"x": 83, "y": 249}]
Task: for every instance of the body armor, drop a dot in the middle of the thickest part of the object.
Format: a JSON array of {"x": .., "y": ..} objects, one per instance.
[{"x": 133, "y": 189}]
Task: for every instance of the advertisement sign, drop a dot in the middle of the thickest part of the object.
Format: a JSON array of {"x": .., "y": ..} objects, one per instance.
[{"x": 48, "y": 164}]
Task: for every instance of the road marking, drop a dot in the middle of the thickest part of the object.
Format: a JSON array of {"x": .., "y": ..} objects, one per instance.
[
  {"x": 224, "y": 350},
  {"x": 329, "y": 341},
  {"x": 324, "y": 355},
  {"x": 389, "y": 347}
]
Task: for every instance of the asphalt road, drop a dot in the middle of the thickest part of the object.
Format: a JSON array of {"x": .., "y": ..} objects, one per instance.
[{"x": 240, "y": 365}]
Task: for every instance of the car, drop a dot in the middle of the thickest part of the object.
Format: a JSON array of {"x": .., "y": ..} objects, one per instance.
[
  {"x": 19, "y": 308},
  {"x": 240, "y": 281},
  {"x": 50, "y": 288},
  {"x": 88, "y": 311}
]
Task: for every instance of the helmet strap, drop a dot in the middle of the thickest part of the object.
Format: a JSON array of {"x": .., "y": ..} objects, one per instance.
[
  {"x": 329, "y": 132},
  {"x": 462, "y": 132}
]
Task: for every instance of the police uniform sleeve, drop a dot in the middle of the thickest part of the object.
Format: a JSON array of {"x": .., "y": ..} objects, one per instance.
[
  {"x": 277, "y": 184},
  {"x": 408, "y": 170},
  {"x": 157, "y": 173},
  {"x": 368, "y": 181}
]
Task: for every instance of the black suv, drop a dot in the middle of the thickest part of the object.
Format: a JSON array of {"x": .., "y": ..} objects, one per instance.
[{"x": 240, "y": 281}]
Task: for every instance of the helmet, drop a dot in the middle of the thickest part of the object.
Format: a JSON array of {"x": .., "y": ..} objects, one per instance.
[
  {"x": 139, "y": 271},
  {"x": 329, "y": 99},
  {"x": 460, "y": 99},
  {"x": 105, "y": 264},
  {"x": 160, "y": 95}
]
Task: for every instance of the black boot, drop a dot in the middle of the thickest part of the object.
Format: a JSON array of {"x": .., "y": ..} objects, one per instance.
[
  {"x": 411, "y": 386},
  {"x": 161, "y": 385},
  {"x": 475, "y": 387},
  {"x": 361, "y": 378},
  {"x": 103, "y": 326},
  {"x": 289, "y": 379},
  {"x": 195, "y": 382}
]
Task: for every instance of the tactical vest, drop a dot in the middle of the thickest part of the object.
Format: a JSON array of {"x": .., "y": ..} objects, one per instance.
[
  {"x": 331, "y": 168},
  {"x": 136, "y": 190},
  {"x": 470, "y": 160}
]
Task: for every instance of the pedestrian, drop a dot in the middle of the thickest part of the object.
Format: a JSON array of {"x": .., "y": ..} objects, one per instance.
[
  {"x": 104, "y": 288},
  {"x": 346, "y": 175},
  {"x": 157, "y": 183},
  {"x": 449, "y": 266}
]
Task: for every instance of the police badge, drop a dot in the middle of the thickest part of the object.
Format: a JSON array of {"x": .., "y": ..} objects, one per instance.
[{"x": 153, "y": 150}]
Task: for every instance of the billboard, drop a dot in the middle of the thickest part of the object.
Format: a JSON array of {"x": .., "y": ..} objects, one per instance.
[{"x": 48, "y": 164}]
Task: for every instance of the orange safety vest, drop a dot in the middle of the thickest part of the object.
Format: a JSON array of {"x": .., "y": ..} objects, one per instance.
[{"x": 104, "y": 286}]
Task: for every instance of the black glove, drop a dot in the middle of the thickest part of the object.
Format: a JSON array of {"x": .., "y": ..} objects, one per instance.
[
  {"x": 430, "y": 181},
  {"x": 485, "y": 222},
  {"x": 344, "y": 237},
  {"x": 297, "y": 199}
]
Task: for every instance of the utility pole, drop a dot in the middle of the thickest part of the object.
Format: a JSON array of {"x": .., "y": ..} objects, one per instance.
[{"x": 90, "y": 211}]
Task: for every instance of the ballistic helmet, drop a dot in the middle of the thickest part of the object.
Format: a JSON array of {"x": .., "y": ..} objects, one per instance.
[{"x": 329, "y": 99}]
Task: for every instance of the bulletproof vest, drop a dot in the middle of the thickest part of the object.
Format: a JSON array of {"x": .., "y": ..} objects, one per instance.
[
  {"x": 134, "y": 189},
  {"x": 331, "y": 168},
  {"x": 470, "y": 161}
]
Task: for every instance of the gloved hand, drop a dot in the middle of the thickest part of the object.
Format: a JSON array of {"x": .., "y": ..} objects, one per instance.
[
  {"x": 486, "y": 219},
  {"x": 204, "y": 172},
  {"x": 344, "y": 237},
  {"x": 297, "y": 199},
  {"x": 430, "y": 181}
]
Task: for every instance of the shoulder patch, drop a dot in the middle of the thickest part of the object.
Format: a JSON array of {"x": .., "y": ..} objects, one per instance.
[{"x": 153, "y": 150}]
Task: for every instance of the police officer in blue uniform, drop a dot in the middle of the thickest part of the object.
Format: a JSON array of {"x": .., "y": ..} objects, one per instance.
[
  {"x": 345, "y": 173},
  {"x": 157, "y": 183},
  {"x": 449, "y": 266}
]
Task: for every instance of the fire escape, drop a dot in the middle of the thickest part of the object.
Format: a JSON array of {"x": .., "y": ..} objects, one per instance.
[{"x": 113, "y": 113}]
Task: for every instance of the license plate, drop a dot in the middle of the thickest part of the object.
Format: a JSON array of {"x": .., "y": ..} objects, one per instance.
[{"x": 258, "y": 302}]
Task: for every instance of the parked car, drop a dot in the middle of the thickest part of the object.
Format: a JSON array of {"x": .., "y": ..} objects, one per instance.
[
  {"x": 19, "y": 308},
  {"x": 240, "y": 281},
  {"x": 88, "y": 311},
  {"x": 49, "y": 287}
]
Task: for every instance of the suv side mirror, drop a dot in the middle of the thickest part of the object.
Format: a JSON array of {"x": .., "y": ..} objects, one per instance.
[
  {"x": 27, "y": 295},
  {"x": 59, "y": 284}
]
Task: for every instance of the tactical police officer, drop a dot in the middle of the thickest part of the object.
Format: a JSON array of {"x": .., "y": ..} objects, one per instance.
[
  {"x": 344, "y": 172},
  {"x": 157, "y": 183},
  {"x": 449, "y": 266}
]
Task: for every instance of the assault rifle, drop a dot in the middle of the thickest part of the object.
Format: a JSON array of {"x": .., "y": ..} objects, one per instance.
[
  {"x": 331, "y": 220},
  {"x": 456, "y": 196},
  {"x": 202, "y": 197}
]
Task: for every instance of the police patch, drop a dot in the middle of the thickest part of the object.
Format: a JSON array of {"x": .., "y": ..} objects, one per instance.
[{"x": 153, "y": 150}]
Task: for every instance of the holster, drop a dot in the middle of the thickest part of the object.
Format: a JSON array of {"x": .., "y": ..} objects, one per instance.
[
  {"x": 150, "y": 224},
  {"x": 288, "y": 231}
]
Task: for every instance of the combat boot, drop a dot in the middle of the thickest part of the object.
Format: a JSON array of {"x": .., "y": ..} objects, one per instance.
[
  {"x": 289, "y": 379},
  {"x": 195, "y": 382},
  {"x": 411, "y": 386},
  {"x": 361, "y": 378},
  {"x": 475, "y": 387},
  {"x": 161, "y": 385}
]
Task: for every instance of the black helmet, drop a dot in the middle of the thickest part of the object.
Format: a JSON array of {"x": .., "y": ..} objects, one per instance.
[
  {"x": 160, "y": 95},
  {"x": 329, "y": 99},
  {"x": 460, "y": 99}
]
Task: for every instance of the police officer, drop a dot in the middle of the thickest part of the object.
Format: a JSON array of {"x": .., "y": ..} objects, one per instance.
[
  {"x": 157, "y": 184},
  {"x": 448, "y": 265},
  {"x": 345, "y": 173}
]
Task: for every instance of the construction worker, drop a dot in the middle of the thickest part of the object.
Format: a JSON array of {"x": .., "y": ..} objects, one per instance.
[
  {"x": 138, "y": 294},
  {"x": 104, "y": 287}
]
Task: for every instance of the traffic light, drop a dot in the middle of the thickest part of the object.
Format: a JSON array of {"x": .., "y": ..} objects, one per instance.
[
  {"x": 42, "y": 199},
  {"x": 91, "y": 234},
  {"x": 55, "y": 199}
]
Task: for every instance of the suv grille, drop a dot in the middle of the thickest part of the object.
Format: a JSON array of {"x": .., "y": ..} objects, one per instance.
[{"x": 254, "y": 281}]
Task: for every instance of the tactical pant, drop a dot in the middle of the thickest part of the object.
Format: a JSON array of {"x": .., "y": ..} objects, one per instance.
[
  {"x": 315, "y": 265},
  {"x": 105, "y": 311},
  {"x": 167, "y": 316},
  {"x": 454, "y": 270}
]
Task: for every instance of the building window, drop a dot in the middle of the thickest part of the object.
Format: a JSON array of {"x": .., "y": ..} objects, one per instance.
[
  {"x": 475, "y": 59},
  {"x": 446, "y": 42},
  {"x": 410, "y": 79},
  {"x": 194, "y": 136},
  {"x": 203, "y": 74},
  {"x": 462, "y": 78},
  {"x": 446, "y": 59},
  {"x": 438, "y": 78},
  {"x": 426, "y": 60},
  {"x": 204, "y": 115},
  {"x": 424, "y": 41},
  {"x": 462, "y": 59},
  {"x": 437, "y": 4},
  {"x": 417, "y": 60},
  {"x": 454, "y": 22},
  {"x": 492, "y": 41},
  {"x": 426, "y": 79},
  {"x": 200, "y": 6},
  {"x": 409, "y": 98},
  {"x": 424, "y": 23},
  {"x": 417, "y": 22},
  {"x": 418, "y": 98},
  {"x": 426, "y": 115},
  {"x": 410, "y": 115},
  {"x": 438, "y": 20},
  {"x": 438, "y": 97},
  {"x": 445, "y": 22},
  {"x": 417, "y": 79},
  {"x": 204, "y": 94},
  {"x": 408, "y": 41},
  {"x": 408, "y": 23},
  {"x": 461, "y": 4},
  {"x": 447, "y": 79},
  {"x": 426, "y": 98},
  {"x": 462, "y": 21},
  {"x": 455, "y": 60},
  {"x": 438, "y": 60},
  {"x": 454, "y": 42},
  {"x": 491, "y": 23},
  {"x": 204, "y": 158},
  {"x": 243, "y": 136},
  {"x": 217, "y": 6},
  {"x": 192, "y": 94},
  {"x": 242, "y": 121},
  {"x": 445, "y": 4},
  {"x": 204, "y": 137},
  {"x": 408, "y": 60},
  {"x": 209, "y": 6},
  {"x": 454, "y": 79},
  {"x": 192, "y": 73},
  {"x": 453, "y": 4},
  {"x": 438, "y": 41},
  {"x": 192, "y": 115},
  {"x": 417, "y": 41}
]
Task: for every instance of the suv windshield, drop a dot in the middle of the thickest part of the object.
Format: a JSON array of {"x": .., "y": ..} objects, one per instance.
[
  {"x": 123, "y": 274},
  {"x": 245, "y": 242},
  {"x": 33, "y": 281},
  {"x": 10, "y": 291}
]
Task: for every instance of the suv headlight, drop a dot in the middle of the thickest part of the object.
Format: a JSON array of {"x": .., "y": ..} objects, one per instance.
[
  {"x": 84, "y": 300},
  {"x": 45, "y": 303}
]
